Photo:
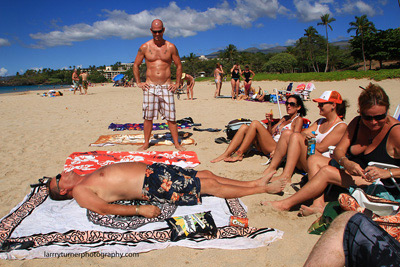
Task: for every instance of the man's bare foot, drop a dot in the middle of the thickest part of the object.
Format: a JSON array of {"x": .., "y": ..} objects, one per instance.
[
  {"x": 219, "y": 158},
  {"x": 143, "y": 148},
  {"x": 180, "y": 147},
  {"x": 276, "y": 205},
  {"x": 275, "y": 187},
  {"x": 279, "y": 177},
  {"x": 234, "y": 157},
  {"x": 307, "y": 211},
  {"x": 268, "y": 170},
  {"x": 263, "y": 181}
]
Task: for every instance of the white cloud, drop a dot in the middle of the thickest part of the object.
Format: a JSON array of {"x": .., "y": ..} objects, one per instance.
[
  {"x": 179, "y": 22},
  {"x": 308, "y": 11},
  {"x": 290, "y": 42},
  {"x": 266, "y": 46},
  {"x": 359, "y": 7},
  {"x": 36, "y": 68},
  {"x": 3, "y": 71},
  {"x": 4, "y": 42}
]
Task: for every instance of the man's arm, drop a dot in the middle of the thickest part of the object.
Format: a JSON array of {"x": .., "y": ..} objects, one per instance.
[
  {"x": 178, "y": 64},
  {"x": 86, "y": 198},
  {"x": 136, "y": 66}
]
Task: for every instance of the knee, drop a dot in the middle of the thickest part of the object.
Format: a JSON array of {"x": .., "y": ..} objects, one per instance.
[
  {"x": 255, "y": 124},
  {"x": 244, "y": 128},
  {"x": 286, "y": 134},
  {"x": 327, "y": 173}
]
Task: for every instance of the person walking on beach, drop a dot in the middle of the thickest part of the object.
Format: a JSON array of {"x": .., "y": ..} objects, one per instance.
[
  {"x": 158, "y": 90},
  {"x": 190, "y": 84},
  {"x": 84, "y": 76},
  {"x": 218, "y": 72},
  {"x": 75, "y": 81}
]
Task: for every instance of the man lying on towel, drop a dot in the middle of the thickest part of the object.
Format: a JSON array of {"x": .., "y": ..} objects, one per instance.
[{"x": 157, "y": 182}]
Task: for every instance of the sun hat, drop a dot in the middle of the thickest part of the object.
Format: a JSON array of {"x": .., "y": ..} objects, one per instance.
[
  {"x": 329, "y": 96},
  {"x": 183, "y": 75}
]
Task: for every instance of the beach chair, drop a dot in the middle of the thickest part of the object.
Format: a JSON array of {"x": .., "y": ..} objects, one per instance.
[
  {"x": 305, "y": 94},
  {"x": 288, "y": 90},
  {"x": 384, "y": 166},
  {"x": 396, "y": 114},
  {"x": 181, "y": 90}
]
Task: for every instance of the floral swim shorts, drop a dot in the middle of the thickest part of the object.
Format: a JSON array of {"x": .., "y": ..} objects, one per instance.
[{"x": 171, "y": 184}]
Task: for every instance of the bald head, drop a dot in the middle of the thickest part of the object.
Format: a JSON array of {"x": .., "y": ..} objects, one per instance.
[{"x": 157, "y": 25}]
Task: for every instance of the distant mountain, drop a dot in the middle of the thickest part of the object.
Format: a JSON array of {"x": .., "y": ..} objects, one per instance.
[{"x": 276, "y": 49}]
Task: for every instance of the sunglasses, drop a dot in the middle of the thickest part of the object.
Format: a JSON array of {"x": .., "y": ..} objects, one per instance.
[
  {"x": 376, "y": 118},
  {"x": 292, "y": 104},
  {"x": 160, "y": 31},
  {"x": 320, "y": 105},
  {"x": 58, "y": 177}
]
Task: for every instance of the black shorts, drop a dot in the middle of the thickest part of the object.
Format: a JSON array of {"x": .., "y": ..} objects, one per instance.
[{"x": 366, "y": 244}]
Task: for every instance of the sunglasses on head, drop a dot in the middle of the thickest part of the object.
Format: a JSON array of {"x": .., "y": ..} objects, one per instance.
[
  {"x": 160, "y": 31},
  {"x": 370, "y": 118},
  {"x": 321, "y": 104},
  {"x": 292, "y": 104}
]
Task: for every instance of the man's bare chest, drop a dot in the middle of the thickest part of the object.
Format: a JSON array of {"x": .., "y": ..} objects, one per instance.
[{"x": 162, "y": 53}]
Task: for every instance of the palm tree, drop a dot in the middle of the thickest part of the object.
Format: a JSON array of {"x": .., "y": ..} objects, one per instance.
[
  {"x": 361, "y": 26},
  {"x": 311, "y": 33},
  {"x": 230, "y": 53},
  {"x": 326, "y": 20}
]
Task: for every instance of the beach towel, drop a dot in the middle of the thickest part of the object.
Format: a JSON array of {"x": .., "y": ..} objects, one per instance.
[
  {"x": 138, "y": 139},
  {"x": 139, "y": 126},
  {"x": 40, "y": 227}
]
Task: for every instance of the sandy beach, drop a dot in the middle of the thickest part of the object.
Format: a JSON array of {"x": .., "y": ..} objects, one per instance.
[{"x": 40, "y": 132}]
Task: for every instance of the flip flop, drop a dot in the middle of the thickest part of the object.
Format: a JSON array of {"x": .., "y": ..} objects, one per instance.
[{"x": 221, "y": 140}]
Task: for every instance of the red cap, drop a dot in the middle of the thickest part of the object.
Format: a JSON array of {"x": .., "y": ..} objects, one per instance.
[{"x": 329, "y": 96}]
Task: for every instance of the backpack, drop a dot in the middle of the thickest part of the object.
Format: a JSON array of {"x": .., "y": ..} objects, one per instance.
[{"x": 234, "y": 125}]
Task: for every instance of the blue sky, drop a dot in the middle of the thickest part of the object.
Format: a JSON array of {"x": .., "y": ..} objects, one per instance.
[{"x": 59, "y": 34}]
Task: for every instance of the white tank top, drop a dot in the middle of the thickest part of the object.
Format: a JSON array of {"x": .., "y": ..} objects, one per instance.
[{"x": 321, "y": 136}]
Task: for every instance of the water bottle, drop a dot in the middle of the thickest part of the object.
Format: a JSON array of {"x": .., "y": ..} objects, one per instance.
[{"x": 311, "y": 145}]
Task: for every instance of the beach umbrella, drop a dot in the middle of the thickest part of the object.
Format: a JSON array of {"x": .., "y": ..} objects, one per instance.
[{"x": 118, "y": 77}]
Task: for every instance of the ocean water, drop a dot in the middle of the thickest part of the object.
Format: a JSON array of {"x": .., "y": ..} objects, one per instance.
[{"x": 16, "y": 89}]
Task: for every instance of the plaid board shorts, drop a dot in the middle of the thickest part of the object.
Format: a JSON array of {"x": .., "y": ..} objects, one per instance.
[
  {"x": 158, "y": 99},
  {"x": 171, "y": 184},
  {"x": 366, "y": 244}
]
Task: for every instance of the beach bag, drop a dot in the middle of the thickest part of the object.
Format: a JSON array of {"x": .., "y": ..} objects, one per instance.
[
  {"x": 331, "y": 211},
  {"x": 382, "y": 211},
  {"x": 234, "y": 125}
]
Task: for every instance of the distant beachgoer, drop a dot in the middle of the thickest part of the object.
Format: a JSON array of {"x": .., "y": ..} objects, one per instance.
[
  {"x": 235, "y": 80},
  {"x": 218, "y": 72},
  {"x": 158, "y": 90},
  {"x": 75, "y": 81},
  {"x": 190, "y": 84},
  {"x": 85, "y": 83},
  {"x": 247, "y": 76}
]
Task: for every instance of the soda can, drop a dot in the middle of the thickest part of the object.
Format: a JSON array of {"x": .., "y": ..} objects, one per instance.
[{"x": 238, "y": 222}]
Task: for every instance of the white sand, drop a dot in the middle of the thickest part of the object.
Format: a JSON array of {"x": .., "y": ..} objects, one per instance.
[{"x": 38, "y": 133}]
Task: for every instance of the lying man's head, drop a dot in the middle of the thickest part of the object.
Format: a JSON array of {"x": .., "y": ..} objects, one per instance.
[{"x": 53, "y": 187}]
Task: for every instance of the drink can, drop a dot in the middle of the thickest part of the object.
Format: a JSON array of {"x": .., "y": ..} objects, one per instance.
[{"x": 238, "y": 222}]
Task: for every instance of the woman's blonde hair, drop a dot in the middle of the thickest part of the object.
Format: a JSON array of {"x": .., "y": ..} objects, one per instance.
[{"x": 373, "y": 95}]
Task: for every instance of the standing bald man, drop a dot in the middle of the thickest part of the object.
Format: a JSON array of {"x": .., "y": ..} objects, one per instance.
[{"x": 158, "y": 90}]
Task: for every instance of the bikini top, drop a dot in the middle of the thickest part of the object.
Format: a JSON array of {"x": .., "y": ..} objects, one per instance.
[
  {"x": 379, "y": 154},
  {"x": 277, "y": 133},
  {"x": 235, "y": 74},
  {"x": 321, "y": 136}
]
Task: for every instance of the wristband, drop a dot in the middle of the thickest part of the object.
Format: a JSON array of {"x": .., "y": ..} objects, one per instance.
[
  {"x": 137, "y": 210},
  {"x": 391, "y": 174},
  {"x": 340, "y": 160}
]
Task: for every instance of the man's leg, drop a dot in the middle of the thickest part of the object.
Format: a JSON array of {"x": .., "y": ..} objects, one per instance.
[
  {"x": 173, "y": 127},
  {"x": 328, "y": 251},
  {"x": 147, "y": 128}
]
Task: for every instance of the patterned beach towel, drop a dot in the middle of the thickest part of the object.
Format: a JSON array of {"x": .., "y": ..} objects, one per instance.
[
  {"x": 139, "y": 126},
  {"x": 40, "y": 227},
  {"x": 138, "y": 139}
]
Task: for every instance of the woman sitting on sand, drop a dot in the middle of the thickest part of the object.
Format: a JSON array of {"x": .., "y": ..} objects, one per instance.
[
  {"x": 265, "y": 138},
  {"x": 373, "y": 136},
  {"x": 328, "y": 131}
]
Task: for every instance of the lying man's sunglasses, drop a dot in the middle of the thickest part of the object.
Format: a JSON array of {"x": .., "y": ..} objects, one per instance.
[
  {"x": 43, "y": 181},
  {"x": 377, "y": 117}
]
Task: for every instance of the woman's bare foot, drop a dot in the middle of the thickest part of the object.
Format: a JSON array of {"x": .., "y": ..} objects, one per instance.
[
  {"x": 276, "y": 205},
  {"x": 307, "y": 211},
  {"x": 234, "y": 157},
  {"x": 282, "y": 176},
  {"x": 276, "y": 186},
  {"x": 263, "y": 181},
  {"x": 219, "y": 158}
]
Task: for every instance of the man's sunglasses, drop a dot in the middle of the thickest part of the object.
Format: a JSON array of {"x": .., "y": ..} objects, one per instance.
[
  {"x": 376, "y": 118},
  {"x": 160, "y": 31},
  {"x": 292, "y": 104},
  {"x": 58, "y": 177}
]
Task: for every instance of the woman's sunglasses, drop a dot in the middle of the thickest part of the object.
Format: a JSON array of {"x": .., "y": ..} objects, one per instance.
[
  {"x": 321, "y": 104},
  {"x": 376, "y": 118},
  {"x": 292, "y": 104}
]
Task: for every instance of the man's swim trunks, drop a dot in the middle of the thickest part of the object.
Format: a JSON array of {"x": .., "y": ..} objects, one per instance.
[
  {"x": 171, "y": 184},
  {"x": 366, "y": 244},
  {"x": 158, "y": 99},
  {"x": 76, "y": 84},
  {"x": 85, "y": 84}
]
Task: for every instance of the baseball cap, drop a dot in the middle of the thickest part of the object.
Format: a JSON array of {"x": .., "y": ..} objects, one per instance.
[{"x": 329, "y": 96}]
